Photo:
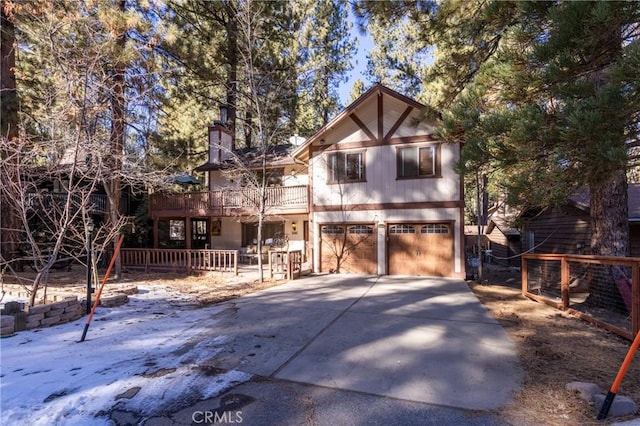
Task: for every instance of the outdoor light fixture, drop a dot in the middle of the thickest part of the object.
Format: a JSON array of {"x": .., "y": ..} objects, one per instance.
[
  {"x": 90, "y": 227},
  {"x": 294, "y": 227}
]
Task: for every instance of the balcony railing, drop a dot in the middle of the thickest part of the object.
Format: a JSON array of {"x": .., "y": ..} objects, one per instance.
[
  {"x": 229, "y": 202},
  {"x": 97, "y": 203}
]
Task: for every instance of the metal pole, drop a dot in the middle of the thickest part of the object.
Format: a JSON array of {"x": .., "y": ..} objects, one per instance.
[
  {"x": 89, "y": 267},
  {"x": 480, "y": 220}
]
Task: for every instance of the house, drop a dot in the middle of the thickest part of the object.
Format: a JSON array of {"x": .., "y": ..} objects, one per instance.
[
  {"x": 224, "y": 216},
  {"x": 372, "y": 192},
  {"x": 384, "y": 188},
  {"x": 504, "y": 242},
  {"x": 567, "y": 228}
]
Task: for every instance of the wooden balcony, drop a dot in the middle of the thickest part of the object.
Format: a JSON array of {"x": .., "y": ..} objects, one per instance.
[
  {"x": 229, "y": 202},
  {"x": 96, "y": 203}
]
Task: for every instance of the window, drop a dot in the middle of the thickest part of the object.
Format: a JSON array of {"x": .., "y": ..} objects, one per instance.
[
  {"x": 416, "y": 162},
  {"x": 176, "y": 230},
  {"x": 360, "y": 229},
  {"x": 434, "y": 228},
  {"x": 332, "y": 229},
  {"x": 402, "y": 229},
  {"x": 346, "y": 167},
  {"x": 274, "y": 176}
]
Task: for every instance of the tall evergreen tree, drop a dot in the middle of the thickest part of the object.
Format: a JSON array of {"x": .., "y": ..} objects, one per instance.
[
  {"x": 542, "y": 92},
  {"x": 325, "y": 57}
]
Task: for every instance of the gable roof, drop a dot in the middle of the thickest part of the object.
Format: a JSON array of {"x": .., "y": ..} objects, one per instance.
[
  {"x": 378, "y": 90},
  {"x": 582, "y": 200},
  {"x": 276, "y": 155}
]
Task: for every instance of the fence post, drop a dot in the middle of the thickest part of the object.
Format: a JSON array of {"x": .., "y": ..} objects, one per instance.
[
  {"x": 236, "y": 254},
  {"x": 564, "y": 281},
  {"x": 147, "y": 261},
  {"x": 524, "y": 275}
]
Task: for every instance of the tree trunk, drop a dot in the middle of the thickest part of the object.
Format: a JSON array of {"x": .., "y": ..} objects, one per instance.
[
  {"x": 232, "y": 77},
  {"x": 117, "y": 136},
  {"x": 609, "y": 237},
  {"x": 610, "y": 216},
  {"x": 9, "y": 222}
]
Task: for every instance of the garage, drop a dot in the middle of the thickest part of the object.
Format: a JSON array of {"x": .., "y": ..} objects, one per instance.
[
  {"x": 420, "y": 249},
  {"x": 352, "y": 247}
]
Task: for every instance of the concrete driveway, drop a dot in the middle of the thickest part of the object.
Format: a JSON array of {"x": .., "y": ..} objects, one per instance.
[{"x": 418, "y": 339}]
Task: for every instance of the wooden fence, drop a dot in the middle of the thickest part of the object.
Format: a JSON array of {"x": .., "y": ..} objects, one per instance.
[
  {"x": 285, "y": 264},
  {"x": 603, "y": 290},
  {"x": 181, "y": 260}
]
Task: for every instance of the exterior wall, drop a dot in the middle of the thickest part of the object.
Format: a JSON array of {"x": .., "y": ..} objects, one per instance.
[
  {"x": 293, "y": 175},
  {"x": 386, "y": 217},
  {"x": 634, "y": 233},
  {"x": 230, "y": 235},
  {"x": 382, "y": 185},
  {"x": 503, "y": 250},
  {"x": 561, "y": 230}
]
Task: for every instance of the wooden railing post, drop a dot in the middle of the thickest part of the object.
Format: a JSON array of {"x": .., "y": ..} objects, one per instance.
[
  {"x": 524, "y": 275},
  {"x": 564, "y": 281},
  {"x": 236, "y": 255}
]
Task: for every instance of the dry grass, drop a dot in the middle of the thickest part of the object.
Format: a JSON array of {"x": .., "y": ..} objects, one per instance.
[{"x": 555, "y": 349}]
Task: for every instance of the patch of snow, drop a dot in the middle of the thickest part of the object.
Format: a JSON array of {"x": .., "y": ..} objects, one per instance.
[{"x": 48, "y": 377}]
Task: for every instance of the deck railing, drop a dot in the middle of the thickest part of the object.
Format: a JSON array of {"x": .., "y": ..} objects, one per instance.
[
  {"x": 97, "y": 203},
  {"x": 603, "y": 290},
  {"x": 178, "y": 260},
  {"x": 219, "y": 202}
]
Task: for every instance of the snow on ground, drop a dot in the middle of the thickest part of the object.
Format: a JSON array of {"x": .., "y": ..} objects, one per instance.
[{"x": 148, "y": 356}]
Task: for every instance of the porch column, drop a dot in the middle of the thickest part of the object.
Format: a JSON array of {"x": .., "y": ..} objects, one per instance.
[
  {"x": 188, "y": 237},
  {"x": 155, "y": 233}
]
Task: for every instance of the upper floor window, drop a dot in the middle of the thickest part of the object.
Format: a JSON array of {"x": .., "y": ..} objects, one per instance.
[
  {"x": 273, "y": 176},
  {"x": 418, "y": 162},
  {"x": 345, "y": 167}
]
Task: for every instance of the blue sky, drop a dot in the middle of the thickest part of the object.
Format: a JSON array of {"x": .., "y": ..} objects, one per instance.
[{"x": 359, "y": 65}]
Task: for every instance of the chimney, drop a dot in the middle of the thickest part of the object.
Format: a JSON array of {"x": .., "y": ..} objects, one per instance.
[{"x": 224, "y": 116}]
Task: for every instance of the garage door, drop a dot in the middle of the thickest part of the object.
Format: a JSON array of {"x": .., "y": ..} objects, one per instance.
[
  {"x": 352, "y": 248},
  {"x": 420, "y": 249}
]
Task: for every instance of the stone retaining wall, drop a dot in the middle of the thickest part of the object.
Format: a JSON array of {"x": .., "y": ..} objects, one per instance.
[{"x": 16, "y": 317}]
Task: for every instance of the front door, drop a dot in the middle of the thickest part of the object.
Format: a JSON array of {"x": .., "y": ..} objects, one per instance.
[{"x": 199, "y": 234}]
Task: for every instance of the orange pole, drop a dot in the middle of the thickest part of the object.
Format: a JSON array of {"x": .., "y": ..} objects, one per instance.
[
  {"x": 104, "y": 281},
  {"x": 616, "y": 383}
]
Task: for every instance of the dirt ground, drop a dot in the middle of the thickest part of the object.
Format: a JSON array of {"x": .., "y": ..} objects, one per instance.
[{"x": 555, "y": 348}]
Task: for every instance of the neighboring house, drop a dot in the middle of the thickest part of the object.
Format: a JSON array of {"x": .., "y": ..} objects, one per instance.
[
  {"x": 567, "y": 229},
  {"x": 372, "y": 192},
  {"x": 505, "y": 245},
  {"x": 501, "y": 243}
]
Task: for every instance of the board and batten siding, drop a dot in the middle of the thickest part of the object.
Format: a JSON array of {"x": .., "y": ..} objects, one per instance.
[{"x": 382, "y": 185}]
